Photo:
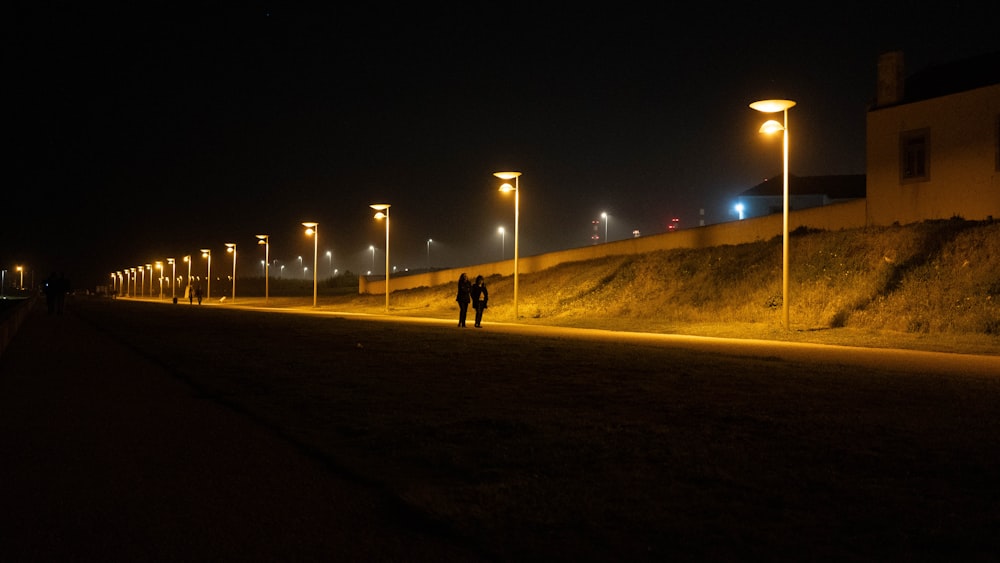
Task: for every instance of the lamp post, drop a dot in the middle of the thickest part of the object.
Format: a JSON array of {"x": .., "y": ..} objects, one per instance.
[
  {"x": 266, "y": 241},
  {"x": 329, "y": 258},
  {"x": 140, "y": 291},
  {"x": 231, "y": 247},
  {"x": 300, "y": 267},
  {"x": 372, "y": 248},
  {"x": 503, "y": 242},
  {"x": 771, "y": 126},
  {"x": 135, "y": 280},
  {"x": 429, "y": 241},
  {"x": 187, "y": 259},
  {"x": 150, "y": 268},
  {"x": 159, "y": 266},
  {"x": 207, "y": 253},
  {"x": 312, "y": 228},
  {"x": 604, "y": 216},
  {"x": 382, "y": 212},
  {"x": 20, "y": 270},
  {"x": 506, "y": 187},
  {"x": 173, "y": 277}
]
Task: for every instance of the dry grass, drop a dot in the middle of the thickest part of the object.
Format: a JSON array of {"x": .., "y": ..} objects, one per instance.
[{"x": 931, "y": 286}]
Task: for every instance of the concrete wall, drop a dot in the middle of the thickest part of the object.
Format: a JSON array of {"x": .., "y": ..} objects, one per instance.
[
  {"x": 963, "y": 177},
  {"x": 847, "y": 215}
]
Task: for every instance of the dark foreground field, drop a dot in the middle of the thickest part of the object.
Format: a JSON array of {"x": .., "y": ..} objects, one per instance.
[{"x": 546, "y": 447}]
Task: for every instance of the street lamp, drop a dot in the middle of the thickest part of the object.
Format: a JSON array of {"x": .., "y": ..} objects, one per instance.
[
  {"x": 372, "y": 248},
  {"x": 159, "y": 266},
  {"x": 382, "y": 212},
  {"x": 173, "y": 277},
  {"x": 20, "y": 269},
  {"x": 187, "y": 259},
  {"x": 300, "y": 267},
  {"x": 429, "y": 241},
  {"x": 506, "y": 187},
  {"x": 312, "y": 228},
  {"x": 772, "y": 126},
  {"x": 329, "y": 257},
  {"x": 135, "y": 283},
  {"x": 231, "y": 247},
  {"x": 605, "y": 217},
  {"x": 503, "y": 242},
  {"x": 150, "y": 268},
  {"x": 266, "y": 241},
  {"x": 142, "y": 280},
  {"x": 206, "y": 253}
]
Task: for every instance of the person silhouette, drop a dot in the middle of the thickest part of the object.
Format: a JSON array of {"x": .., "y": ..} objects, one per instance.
[
  {"x": 479, "y": 298},
  {"x": 463, "y": 298}
]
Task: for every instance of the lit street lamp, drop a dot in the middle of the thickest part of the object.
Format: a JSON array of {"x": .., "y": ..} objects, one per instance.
[
  {"x": 329, "y": 257},
  {"x": 266, "y": 241},
  {"x": 503, "y": 242},
  {"x": 142, "y": 280},
  {"x": 206, "y": 253},
  {"x": 312, "y": 228},
  {"x": 771, "y": 126},
  {"x": 506, "y": 187},
  {"x": 605, "y": 217},
  {"x": 429, "y": 241},
  {"x": 159, "y": 266},
  {"x": 231, "y": 247},
  {"x": 382, "y": 210},
  {"x": 188, "y": 260},
  {"x": 173, "y": 277},
  {"x": 20, "y": 270},
  {"x": 150, "y": 268}
]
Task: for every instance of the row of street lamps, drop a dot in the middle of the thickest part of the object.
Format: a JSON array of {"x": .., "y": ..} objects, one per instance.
[{"x": 382, "y": 212}]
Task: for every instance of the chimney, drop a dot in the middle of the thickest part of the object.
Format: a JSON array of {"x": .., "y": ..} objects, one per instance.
[{"x": 890, "y": 79}]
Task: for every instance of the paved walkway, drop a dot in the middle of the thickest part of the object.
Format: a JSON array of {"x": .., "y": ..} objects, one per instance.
[{"x": 105, "y": 457}]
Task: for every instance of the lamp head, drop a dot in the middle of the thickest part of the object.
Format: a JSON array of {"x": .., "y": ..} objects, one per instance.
[
  {"x": 771, "y": 126},
  {"x": 506, "y": 175},
  {"x": 772, "y": 106},
  {"x": 507, "y": 188}
]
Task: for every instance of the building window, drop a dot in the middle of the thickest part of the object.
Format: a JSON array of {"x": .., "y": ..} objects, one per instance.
[{"x": 914, "y": 156}]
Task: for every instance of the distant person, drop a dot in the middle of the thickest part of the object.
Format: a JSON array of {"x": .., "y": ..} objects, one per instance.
[
  {"x": 479, "y": 298},
  {"x": 463, "y": 298},
  {"x": 190, "y": 292},
  {"x": 197, "y": 293}
]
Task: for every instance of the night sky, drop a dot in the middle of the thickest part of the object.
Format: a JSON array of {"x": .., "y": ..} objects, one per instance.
[{"x": 138, "y": 133}]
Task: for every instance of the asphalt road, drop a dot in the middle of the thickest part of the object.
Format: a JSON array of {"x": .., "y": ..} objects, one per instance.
[{"x": 138, "y": 431}]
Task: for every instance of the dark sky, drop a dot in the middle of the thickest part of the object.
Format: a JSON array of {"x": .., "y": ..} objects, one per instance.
[{"x": 150, "y": 131}]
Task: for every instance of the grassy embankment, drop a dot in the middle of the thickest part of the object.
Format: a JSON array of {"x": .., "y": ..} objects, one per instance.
[{"x": 932, "y": 285}]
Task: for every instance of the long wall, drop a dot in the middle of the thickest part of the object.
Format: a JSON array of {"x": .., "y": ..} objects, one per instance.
[{"x": 846, "y": 215}]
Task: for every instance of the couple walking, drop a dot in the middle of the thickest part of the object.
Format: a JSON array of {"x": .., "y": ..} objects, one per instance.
[{"x": 471, "y": 292}]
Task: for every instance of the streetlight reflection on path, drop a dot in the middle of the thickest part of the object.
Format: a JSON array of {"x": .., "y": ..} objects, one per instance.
[
  {"x": 771, "y": 126},
  {"x": 506, "y": 187},
  {"x": 312, "y": 228},
  {"x": 382, "y": 210}
]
